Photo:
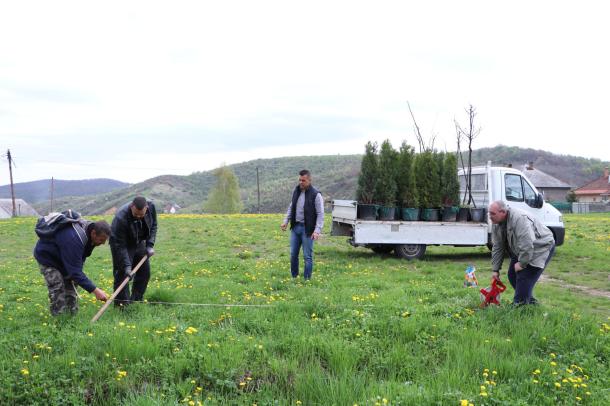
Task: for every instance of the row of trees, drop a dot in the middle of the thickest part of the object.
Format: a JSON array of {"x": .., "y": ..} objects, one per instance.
[{"x": 402, "y": 177}]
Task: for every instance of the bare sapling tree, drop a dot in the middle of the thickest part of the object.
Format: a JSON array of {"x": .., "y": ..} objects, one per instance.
[
  {"x": 420, "y": 140},
  {"x": 469, "y": 135}
]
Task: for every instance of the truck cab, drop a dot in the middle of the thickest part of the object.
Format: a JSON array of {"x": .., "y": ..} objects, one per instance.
[{"x": 491, "y": 183}]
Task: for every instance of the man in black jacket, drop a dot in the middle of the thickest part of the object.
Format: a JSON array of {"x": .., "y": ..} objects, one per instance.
[
  {"x": 306, "y": 217},
  {"x": 134, "y": 230}
]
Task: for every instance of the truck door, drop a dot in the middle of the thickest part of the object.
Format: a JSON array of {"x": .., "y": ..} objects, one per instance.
[{"x": 521, "y": 195}]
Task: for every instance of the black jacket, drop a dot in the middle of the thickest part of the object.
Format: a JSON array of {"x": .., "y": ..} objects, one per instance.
[
  {"x": 309, "y": 208},
  {"x": 124, "y": 237}
]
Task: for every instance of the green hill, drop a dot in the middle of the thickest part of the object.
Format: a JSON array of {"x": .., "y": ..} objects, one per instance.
[
  {"x": 40, "y": 190},
  {"x": 335, "y": 175}
]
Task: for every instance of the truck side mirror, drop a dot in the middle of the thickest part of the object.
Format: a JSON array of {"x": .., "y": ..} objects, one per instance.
[{"x": 539, "y": 201}]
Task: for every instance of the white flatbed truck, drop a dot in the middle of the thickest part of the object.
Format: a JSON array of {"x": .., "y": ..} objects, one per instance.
[{"x": 409, "y": 239}]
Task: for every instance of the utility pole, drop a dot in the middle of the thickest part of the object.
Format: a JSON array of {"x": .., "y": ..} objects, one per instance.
[
  {"x": 10, "y": 170},
  {"x": 52, "y": 192},
  {"x": 258, "y": 191}
]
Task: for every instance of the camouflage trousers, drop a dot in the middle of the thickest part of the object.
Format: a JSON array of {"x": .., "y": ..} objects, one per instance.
[{"x": 62, "y": 292}]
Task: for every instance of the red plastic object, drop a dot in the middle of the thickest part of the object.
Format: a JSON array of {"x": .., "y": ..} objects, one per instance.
[{"x": 490, "y": 294}]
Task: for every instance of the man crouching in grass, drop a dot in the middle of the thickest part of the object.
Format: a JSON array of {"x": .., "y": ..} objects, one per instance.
[{"x": 61, "y": 260}]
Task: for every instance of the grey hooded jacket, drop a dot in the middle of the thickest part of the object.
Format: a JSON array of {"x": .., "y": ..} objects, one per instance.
[{"x": 523, "y": 237}]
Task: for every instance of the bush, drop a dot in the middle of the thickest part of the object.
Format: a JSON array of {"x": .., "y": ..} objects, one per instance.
[
  {"x": 386, "y": 181},
  {"x": 369, "y": 169},
  {"x": 405, "y": 177}
]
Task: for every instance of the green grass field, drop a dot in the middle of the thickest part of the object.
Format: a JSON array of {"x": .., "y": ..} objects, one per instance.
[{"x": 367, "y": 330}]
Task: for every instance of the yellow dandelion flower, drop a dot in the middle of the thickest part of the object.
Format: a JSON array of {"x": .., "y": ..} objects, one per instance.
[
  {"x": 25, "y": 372},
  {"x": 484, "y": 394},
  {"x": 557, "y": 385},
  {"x": 553, "y": 363},
  {"x": 463, "y": 402}
]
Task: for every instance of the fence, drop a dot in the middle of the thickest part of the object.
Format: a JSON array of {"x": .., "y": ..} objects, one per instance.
[{"x": 590, "y": 207}]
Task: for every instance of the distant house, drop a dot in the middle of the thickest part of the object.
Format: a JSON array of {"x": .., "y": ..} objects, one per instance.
[
  {"x": 597, "y": 191},
  {"x": 552, "y": 188},
  {"x": 171, "y": 208},
  {"x": 21, "y": 208}
]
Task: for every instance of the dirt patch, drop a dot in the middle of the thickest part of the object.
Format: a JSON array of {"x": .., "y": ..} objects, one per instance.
[{"x": 584, "y": 289}]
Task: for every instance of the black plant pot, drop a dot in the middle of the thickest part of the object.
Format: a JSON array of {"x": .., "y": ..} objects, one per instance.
[
  {"x": 410, "y": 214},
  {"x": 387, "y": 213},
  {"x": 367, "y": 211},
  {"x": 430, "y": 214},
  {"x": 477, "y": 215},
  {"x": 450, "y": 213},
  {"x": 463, "y": 214}
]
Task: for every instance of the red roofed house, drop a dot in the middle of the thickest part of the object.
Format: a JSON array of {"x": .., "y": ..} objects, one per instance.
[{"x": 597, "y": 191}]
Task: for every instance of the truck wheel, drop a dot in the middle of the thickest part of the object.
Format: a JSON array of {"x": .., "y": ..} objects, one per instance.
[
  {"x": 382, "y": 249},
  {"x": 410, "y": 251}
]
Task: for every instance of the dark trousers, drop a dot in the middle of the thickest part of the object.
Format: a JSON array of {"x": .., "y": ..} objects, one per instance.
[
  {"x": 140, "y": 279},
  {"x": 524, "y": 281}
]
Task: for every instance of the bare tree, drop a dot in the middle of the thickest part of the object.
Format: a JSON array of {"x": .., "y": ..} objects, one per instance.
[
  {"x": 469, "y": 135},
  {"x": 420, "y": 139}
]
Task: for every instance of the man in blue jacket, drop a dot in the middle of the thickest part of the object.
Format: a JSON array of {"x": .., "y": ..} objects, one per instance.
[
  {"x": 61, "y": 259},
  {"x": 134, "y": 230}
]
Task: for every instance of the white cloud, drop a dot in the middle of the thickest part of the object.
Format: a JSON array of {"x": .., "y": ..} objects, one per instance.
[{"x": 237, "y": 78}]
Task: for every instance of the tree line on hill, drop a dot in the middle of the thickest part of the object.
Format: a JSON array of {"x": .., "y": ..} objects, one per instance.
[{"x": 336, "y": 176}]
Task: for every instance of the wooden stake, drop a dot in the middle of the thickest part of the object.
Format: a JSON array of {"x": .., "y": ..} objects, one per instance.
[{"x": 116, "y": 292}]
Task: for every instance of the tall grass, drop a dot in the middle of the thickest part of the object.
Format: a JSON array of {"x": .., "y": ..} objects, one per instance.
[{"x": 366, "y": 330}]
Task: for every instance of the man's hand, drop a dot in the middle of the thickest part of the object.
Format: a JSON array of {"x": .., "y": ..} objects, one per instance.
[
  {"x": 127, "y": 270},
  {"x": 100, "y": 294},
  {"x": 495, "y": 276},
  {"x": 518, "y": 266},
  {"x": 315, "y": 236},
  {"x": 150, "y": 251},
  {"x": 283, "y": 226}
]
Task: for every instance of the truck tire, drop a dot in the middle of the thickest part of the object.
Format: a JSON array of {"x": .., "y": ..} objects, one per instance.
[
  {"x": 382, "y": 248},
  {"x": 410, "y": 251}
]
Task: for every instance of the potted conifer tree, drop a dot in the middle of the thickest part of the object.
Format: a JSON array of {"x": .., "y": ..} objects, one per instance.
[
  {"x": 450, "y": 188},
  {"x": 386, "y": 181},
  {"x": 405, "y": 183},
  {"x": 428, "y": 181},
  {"x": 367, "y": 183}
]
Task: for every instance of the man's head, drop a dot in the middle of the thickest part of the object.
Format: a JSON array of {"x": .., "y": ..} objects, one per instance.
[
  {"x": 304, "y": 179},
  {"x": 498, "y": 212},
  {"x": 100, "y": 231},
  {"x": 138, "y": 207}
]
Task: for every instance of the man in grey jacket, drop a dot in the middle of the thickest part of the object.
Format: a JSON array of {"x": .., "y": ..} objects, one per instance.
[{"x": 529, "y": 244}]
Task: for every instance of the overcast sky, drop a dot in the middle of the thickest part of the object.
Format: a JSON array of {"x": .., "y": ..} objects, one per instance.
[{"x": 130, "y": 90}]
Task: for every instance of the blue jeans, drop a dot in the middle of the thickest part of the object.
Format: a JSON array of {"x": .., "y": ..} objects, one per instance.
[
  {"x": 524, "y": 281},
  {"x": 298, "y": 238}
]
